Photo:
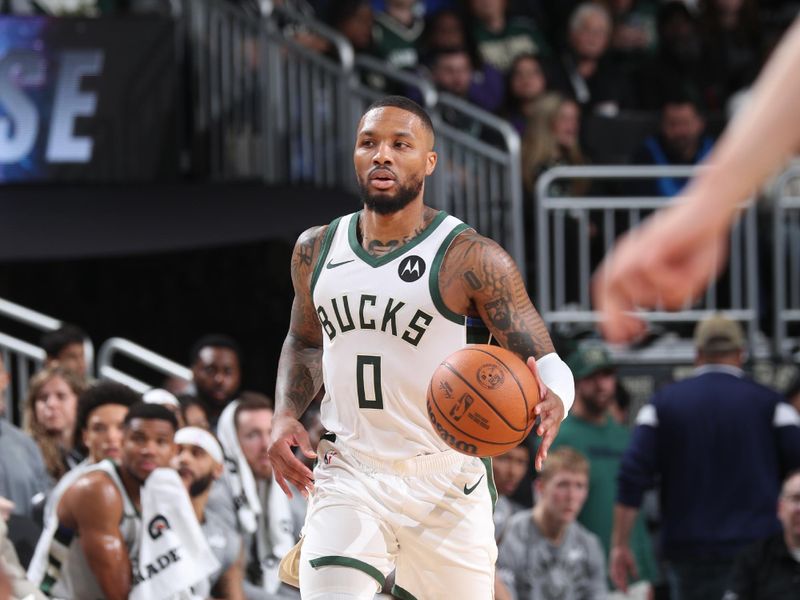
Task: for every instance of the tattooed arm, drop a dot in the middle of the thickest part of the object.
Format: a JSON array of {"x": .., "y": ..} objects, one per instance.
[
  {"x": 479, "y": 278},
  {"x": 299, "y": 370}
]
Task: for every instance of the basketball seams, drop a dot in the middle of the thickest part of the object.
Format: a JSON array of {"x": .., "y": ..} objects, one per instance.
[
  {"x": 477, "y": 391},
  {"x": 521, "y": 387}
]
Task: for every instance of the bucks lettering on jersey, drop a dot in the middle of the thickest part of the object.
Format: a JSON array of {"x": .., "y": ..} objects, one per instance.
[{"x": 385, "y": 330}]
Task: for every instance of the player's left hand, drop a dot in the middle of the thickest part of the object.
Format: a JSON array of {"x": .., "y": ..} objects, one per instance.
[{"x": 550, "y": 411}]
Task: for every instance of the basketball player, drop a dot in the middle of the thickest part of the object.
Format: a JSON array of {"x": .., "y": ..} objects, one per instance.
[
  {"x": 199, "y": 461},
  {"x": 88, "y": 552},
  {"x": 676, "y": 253},
  {"x": 381, "y": 298}
]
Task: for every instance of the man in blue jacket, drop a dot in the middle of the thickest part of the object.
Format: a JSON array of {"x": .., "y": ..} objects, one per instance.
[{"x": 718, "y": 444}]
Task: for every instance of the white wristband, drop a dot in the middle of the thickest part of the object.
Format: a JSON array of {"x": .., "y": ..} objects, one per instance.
[{"x": 555, "y": 374}]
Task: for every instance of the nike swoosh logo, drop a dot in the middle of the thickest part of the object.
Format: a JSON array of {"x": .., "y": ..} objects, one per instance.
[
  {"x": 469, "y": 490},
  {"x": 333, "y": 265}
]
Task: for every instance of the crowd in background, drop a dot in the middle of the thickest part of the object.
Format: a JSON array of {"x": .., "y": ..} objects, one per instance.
[{"x": 675, "y": 501}]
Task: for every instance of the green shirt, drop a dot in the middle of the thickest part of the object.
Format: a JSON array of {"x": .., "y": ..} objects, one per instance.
[
  {"x": 603, "y": 446},
  {"x": 499, "y": 49}
]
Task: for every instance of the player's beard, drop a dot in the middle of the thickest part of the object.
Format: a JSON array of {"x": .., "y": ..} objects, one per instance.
[
  {"x": 387, "y": 205},
  {"x": 200, "y": 485}
]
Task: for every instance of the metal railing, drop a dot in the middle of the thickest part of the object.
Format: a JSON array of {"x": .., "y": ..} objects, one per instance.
[
  {"x": 21, "y": 360},
  {"x": 574, "y": 233},
  {"x": 310, "y": 104},
  {"x": 227, "y": 86},
  {"x": 114, "y": 347},
  {"x": 786, "y": 260},
  {"x": 478, "y": 181}
]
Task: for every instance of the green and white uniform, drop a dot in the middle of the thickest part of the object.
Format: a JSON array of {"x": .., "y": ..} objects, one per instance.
[
  {"x": 59, "y": 564},
  {"x": 388, "y": 491}
]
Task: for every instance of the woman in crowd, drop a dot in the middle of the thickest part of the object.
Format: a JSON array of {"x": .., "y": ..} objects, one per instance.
[
  {"x": 550, "y": 139},
  {"x": 50, "y": 411},
  {"x": 526, "y": 84}
]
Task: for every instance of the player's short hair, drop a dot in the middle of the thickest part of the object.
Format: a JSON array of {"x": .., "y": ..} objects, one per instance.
[
  {"x": 564, "y": 459},
  {"x": 790, "y": 475},
  {"x": 215, "y": 340},
  {"x": 97, "y": 395},
  {"x": 143, "y": 410},
  {"x": 407, "y": 105},
  {"x": 251, "y": 403},
  {"x": 54, "y": 342}
]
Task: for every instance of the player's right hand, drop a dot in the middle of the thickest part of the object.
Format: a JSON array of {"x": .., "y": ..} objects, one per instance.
[{"x": 288, "y": 433}]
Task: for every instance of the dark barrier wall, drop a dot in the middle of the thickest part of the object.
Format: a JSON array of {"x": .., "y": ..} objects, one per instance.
[
  {"x": 162, "y": 265},
  {"x": 87, "y": 99}
]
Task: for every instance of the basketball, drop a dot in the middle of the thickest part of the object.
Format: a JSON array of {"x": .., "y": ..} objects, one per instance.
[{"x": 481, "y": 400}]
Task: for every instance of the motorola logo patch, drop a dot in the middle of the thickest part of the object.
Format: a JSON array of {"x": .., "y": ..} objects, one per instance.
[{"x": 411, "y": 268}]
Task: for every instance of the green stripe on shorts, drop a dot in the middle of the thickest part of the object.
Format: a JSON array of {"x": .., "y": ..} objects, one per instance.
[
  {"x": 487, "y": 462},
  {"x": 353, "y": 563},
  {"x": 402, "y": 594}
]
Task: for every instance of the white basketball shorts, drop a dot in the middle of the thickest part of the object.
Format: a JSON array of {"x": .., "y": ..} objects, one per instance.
[{"x": 428, "y": 518}]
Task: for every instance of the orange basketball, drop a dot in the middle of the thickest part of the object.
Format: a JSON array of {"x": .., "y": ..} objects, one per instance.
[{"x": 481, "y": 400}]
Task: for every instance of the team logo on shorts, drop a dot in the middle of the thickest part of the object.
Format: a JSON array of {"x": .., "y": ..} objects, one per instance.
[
  {"x": 328, "y": 457},
  {"x": 461, "y": 407},
  {"x": 411, "y": 268},
  {"x": 490, "y": 376},
  {"x": 158, "y": 525}
]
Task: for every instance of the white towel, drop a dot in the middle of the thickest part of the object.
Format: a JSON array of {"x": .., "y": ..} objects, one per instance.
[
  {"x": 237, "y": 471},
  {"x": 173, "y": 555}
]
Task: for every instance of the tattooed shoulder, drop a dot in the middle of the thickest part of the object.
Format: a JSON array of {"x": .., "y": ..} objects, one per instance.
[{"x": 306, "y": 250}]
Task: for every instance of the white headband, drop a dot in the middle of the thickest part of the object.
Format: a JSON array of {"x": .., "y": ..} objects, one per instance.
[
  {"x": 159, "y": 396},
  {"x": 202, "y": 439}
]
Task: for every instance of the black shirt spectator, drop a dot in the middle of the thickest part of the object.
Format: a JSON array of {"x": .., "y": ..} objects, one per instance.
[{"x": 770, "y": 569}]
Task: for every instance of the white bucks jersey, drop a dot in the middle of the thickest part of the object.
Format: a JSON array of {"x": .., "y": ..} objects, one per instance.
[{"x": 385, "y": 330}]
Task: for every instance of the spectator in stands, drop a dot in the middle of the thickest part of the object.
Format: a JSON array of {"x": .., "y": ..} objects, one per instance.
[
  {"x": 718, "y": 445},
  {"x": 446, "y": 30},
  {"x": 678, "y": 66},
  {"x": 452, "y": 72},
  {"x": 552, "y": 138},
  {"x": 680, "y": 141},
  {"x": 216, "y": 361},
  {"x": 526, "y": 84},
  {"x": 586, "y": 72},
  {"x": 770, "y": 568},
  {"x": 590, "y": 429},
  {"x": 633, "y": 36},
  {"x": 501, "y": 38},
  {"x": 546, "y": 553},
  {"x": 194, "y": 414},
  {"x": 354, "y": 20},
  {"x": 22, "y": 471},
  {"x": 267, "y": 527},
  {"x": 99, "y": 423},
  {"x": 509, "y": 470},
  {"x": 65, "y": 346},
  {"x": 397, "y": 32},
  {"x": 731, "y": 47},
  {"x": 50, "y": 413}
]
